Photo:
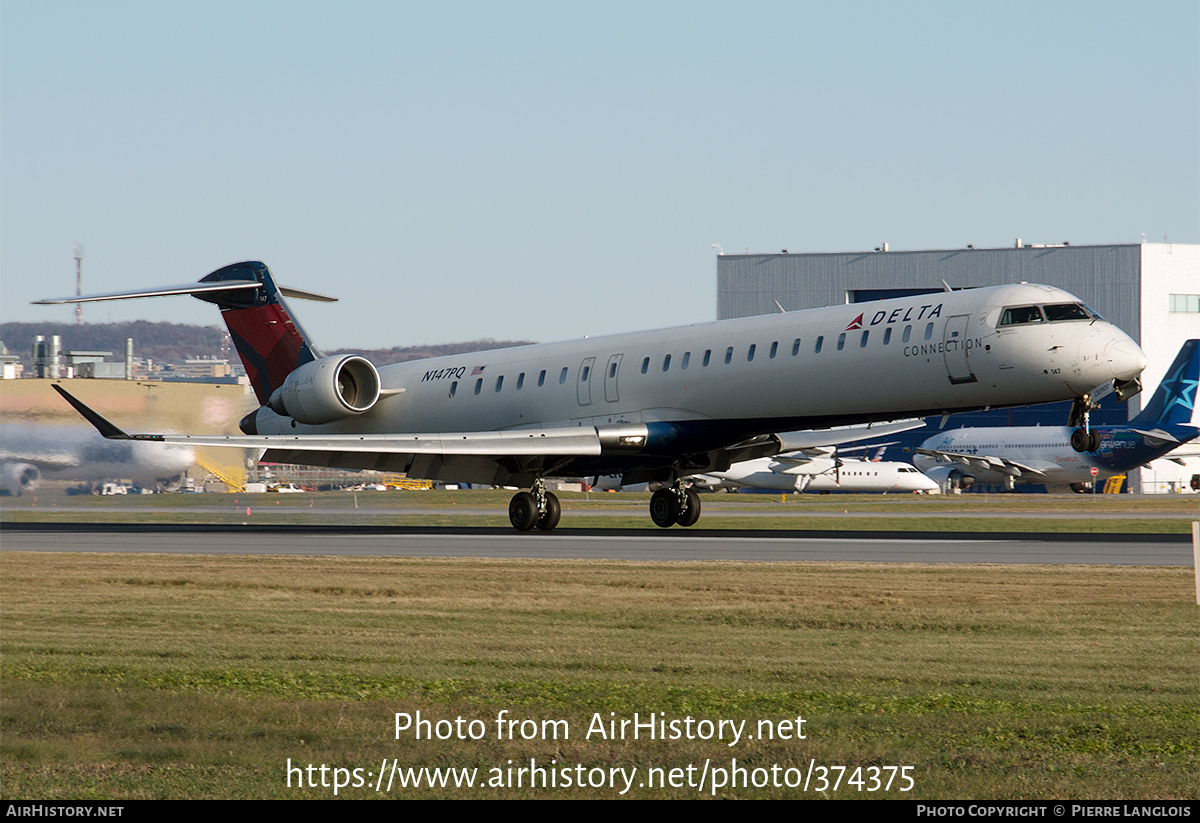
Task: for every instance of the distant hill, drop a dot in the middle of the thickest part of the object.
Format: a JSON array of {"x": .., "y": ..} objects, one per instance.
[
  {"x": 160, "y": 342},
  {"x": 175, "y": 342}
]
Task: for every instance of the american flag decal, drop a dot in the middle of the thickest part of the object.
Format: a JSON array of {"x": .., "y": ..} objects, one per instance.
[{"x": 478, "y": 370}]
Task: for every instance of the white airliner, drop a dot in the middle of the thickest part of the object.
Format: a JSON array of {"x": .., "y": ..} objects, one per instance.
[
  {"x": 847, "y": 474},
  {"x": 1015, "y": 455},
  {"x": 651, "y": 406},
  {"x": 30, "y": 452}
]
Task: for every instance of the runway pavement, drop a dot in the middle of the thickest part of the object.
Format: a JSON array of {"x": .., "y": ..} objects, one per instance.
[{"x": 638, "y": 545}]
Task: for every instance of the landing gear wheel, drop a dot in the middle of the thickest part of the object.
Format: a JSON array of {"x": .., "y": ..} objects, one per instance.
[
  {"x": 691, "y": 514},
  {"x": 1079, "y": 440},
  {"x": 664, "y": 508},
  {"x": 1094, "y": 441},
  {"x": 522, "y": 511},
  {"x": 553, "y": 513}
]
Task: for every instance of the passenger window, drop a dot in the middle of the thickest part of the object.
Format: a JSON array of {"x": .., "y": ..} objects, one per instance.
[
  {"x": 562, "y": 378},
  {"x": 612, "y": 370},
  {"x": 499, "y": 382},
  {"x": 541, "y": 378},
  {"x": 887, "y": 335},
  {"x": 929, "y": 331},
  {"x": 666, "y": 362},
  {"x": 687, "y": 356},
  {"x": 820, "y": 342},
  {"x": 907, "y": 333},
  {"x": 520, "y": 380},
  {"x": 645, "y": 365},
  {"x": 586, "y": 371},
  {"x": 863, "y": 343},
  {"x": 478, "y": 385},
  {"x": 774, "y": 349},
  {"x": 453, "y": 388},
  {"x": 729, "y": 355},
  {"x": 707, "y": 356},
  {"x": 796, "y": 347},
  {"x": 750, "y": 354},
  {"x": 841, "y": 341}
]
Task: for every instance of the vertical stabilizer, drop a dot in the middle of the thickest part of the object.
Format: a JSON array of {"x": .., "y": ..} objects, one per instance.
[
  {"x": 1175, "y": 396},
  {"x": 268, "y": 339}
]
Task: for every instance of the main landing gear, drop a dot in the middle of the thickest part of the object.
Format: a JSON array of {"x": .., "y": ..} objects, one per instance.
[
  {"x": 1084, "y": 438},
  {"x": 675, "y": 506},
  {"x": 534, "y": 508}
]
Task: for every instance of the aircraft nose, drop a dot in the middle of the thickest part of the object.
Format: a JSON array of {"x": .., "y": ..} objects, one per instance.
[{"x": 1126, "y": 359}]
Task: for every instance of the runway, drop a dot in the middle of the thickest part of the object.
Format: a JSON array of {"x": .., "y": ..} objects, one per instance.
[{"x": 588, "y": 544}]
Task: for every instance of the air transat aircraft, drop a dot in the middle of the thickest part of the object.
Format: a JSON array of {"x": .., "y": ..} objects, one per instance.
[
  {"x": 651, "y": 406},
  {"x": 1043, "y": 454}
]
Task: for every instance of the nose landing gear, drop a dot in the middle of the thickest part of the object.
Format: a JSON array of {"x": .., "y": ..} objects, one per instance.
[{"x": 1084, "y": 438}]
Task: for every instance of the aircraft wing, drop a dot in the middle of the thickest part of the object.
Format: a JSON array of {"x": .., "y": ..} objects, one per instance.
[
  {"x": 578, "y": 441},
  {"x": 818, "y": 438},
  {"x": 981, "y": 462},
  {"x": 45, "y": 460}
]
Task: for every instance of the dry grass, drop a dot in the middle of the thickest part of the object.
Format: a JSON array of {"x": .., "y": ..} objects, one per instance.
[{"x": 200, "y": 676}]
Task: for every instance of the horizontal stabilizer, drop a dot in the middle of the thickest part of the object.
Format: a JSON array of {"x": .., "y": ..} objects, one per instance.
[{"x": 193, "y": 289}]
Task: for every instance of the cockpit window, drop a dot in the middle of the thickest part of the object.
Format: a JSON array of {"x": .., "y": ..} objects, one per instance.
[
  {"x": 1015, "y": 315},
  {"x": 1066, "y": 311}
]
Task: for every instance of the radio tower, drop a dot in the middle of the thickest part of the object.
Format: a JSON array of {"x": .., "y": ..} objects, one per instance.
[{"x": 78, "y": 283}]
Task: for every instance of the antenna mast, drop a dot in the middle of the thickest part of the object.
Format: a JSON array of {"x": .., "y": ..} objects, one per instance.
[{"x": 78, "y": 282}]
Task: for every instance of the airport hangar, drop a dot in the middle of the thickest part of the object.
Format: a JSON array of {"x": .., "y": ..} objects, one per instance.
[{"x": 1150, "y": 290}]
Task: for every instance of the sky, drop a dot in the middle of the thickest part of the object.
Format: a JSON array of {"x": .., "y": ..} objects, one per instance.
[{"x": 549, "y": 170}]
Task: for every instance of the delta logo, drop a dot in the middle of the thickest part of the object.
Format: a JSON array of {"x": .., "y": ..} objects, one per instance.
[{"x": 856, "y": 323}]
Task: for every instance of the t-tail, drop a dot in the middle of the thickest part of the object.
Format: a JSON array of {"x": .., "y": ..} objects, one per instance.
[
  {"x": 269, "y": 340},
  {"x": 1175, "y": 396}
]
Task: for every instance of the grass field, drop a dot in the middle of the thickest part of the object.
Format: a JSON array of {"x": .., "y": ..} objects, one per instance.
[{"x": 156, "y": 676}]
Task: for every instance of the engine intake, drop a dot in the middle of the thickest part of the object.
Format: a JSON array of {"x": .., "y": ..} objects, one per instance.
[{"x": 327, "y": 389}]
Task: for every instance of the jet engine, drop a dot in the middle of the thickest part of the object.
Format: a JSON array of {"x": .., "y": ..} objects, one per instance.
[
  {"x": 16, "y": 478},
  {"x": 327, "y": 389},
  {"x": 949, "y": 477}
]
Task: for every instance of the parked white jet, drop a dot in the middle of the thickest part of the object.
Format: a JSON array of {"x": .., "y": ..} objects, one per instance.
[
  {"x": 847, "y": 474},
  {"x": 30, "y": 452},
  {"x": 656, "y": 405}
]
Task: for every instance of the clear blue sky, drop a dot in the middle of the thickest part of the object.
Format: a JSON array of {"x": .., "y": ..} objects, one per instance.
[{"x": 552, "y": 170}]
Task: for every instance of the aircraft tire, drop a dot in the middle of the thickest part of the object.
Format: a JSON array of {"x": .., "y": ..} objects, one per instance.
[
  {"x": 664, "y": 508},
  {"x": 549, "y": 519},
  {"x": 1079, "y": 440},
  {"x": 522, "y": 511},
  {"x": 692, "y": 513},
  {"x": 1094, "y": 441}
]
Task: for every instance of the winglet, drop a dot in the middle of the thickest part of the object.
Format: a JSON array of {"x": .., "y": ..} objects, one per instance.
[{"x": 105, "y": 428}]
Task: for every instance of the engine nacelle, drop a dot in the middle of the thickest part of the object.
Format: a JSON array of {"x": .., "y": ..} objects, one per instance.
[
  {"x": 949, "y": 477},
  {"x": 16, "y": 478},
  {"x": 327, "y": 389}
]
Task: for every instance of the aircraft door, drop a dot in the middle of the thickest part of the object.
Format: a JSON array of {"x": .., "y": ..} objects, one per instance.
[
  {"x": 610, "y": 378},
  {"x": 955, "y": 350},
  {"x": 584, "y": 386}
]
